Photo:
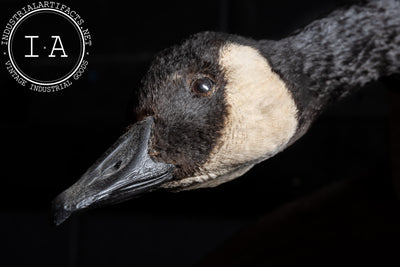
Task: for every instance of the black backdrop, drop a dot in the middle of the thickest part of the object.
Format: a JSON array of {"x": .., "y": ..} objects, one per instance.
[{"x": 48, "y": 141}]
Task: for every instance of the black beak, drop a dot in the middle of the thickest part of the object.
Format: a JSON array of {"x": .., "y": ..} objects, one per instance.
[{"x": 123, "y": 172}]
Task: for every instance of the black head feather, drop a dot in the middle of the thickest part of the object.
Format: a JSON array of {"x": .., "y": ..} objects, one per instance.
[{"x": 186, "y": 126}]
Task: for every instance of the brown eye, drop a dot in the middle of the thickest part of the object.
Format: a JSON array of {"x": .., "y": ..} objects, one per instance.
[{"x": 202, "y": 87}]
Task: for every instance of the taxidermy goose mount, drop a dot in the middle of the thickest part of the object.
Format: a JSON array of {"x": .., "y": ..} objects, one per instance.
[{"x": 216, "y": 105}]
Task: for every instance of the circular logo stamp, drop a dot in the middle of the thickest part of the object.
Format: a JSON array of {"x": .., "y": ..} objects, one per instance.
[{"x": 45, "y": 45}]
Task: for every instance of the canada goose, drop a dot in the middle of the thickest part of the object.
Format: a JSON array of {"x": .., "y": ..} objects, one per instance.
[{"x": 216, "y": 105}]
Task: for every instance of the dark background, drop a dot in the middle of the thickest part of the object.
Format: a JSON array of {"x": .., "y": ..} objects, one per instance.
[{"x": 344, "y": 164}]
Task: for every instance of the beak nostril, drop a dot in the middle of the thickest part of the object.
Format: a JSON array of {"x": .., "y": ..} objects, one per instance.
[{"x": 117, "y": 165}]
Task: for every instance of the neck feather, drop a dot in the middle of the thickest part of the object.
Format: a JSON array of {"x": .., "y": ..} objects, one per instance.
[{"x": 333, "y": 56}]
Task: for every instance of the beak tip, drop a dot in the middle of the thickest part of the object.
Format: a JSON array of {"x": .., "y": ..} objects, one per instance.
[{"x": 60, "y": 213}]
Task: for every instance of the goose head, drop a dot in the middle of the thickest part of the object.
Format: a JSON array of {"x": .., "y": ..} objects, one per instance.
[{"x": 209, "y": 109}]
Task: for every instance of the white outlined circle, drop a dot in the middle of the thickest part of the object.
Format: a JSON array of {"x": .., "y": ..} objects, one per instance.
[{"x": 68, "y": 75}]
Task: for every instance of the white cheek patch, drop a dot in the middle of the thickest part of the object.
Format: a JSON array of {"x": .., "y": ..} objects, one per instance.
[
  {"x": 262, "y": 114},
  {"x": 262, "y": 118}
]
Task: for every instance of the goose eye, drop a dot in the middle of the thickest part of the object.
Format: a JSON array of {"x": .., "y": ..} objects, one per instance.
[{"x": 202, "y": 87}]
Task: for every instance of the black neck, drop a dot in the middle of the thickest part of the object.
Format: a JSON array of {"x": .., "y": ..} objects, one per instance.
[{"x": 335, "y": 55}]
